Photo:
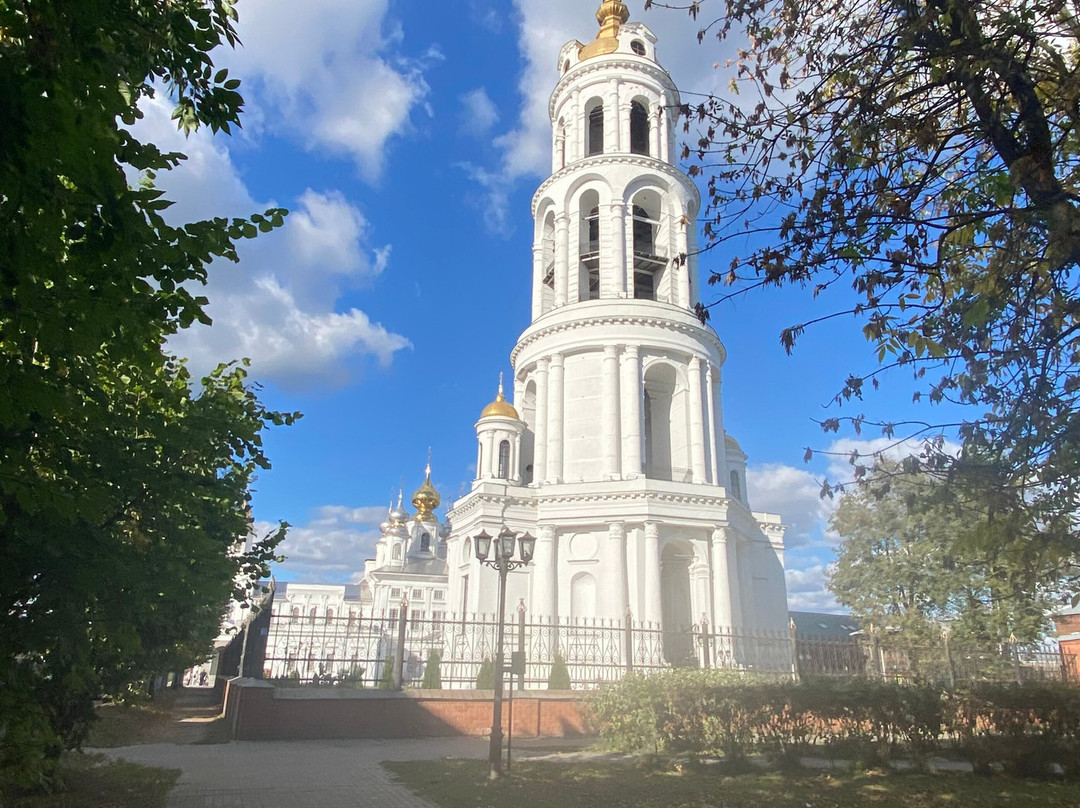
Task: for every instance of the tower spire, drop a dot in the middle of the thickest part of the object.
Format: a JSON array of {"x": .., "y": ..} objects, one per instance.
[{"x": 611, "y": 15}]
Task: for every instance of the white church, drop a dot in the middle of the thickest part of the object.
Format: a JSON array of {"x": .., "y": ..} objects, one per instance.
[{"x": 613, "y": 453}]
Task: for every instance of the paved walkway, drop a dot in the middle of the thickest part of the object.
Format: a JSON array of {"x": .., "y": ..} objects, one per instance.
[{"x": 294, "y": 774}]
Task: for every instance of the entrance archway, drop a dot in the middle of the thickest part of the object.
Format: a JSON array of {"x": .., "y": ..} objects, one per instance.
[{"x": 675, "y": 563}]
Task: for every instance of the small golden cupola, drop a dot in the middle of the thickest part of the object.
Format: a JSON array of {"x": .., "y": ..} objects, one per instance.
[
  {"x": 426, "y": 499},
  {"x": 610, "y": 15},
  {"x": 500, "y": 406}
]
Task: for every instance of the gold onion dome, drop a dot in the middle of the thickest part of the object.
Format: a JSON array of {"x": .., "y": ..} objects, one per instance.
[
  {"x": 610, "y": 15},
  {"x": 500, "y": 406},
  {"x": 426, "y": 499}
]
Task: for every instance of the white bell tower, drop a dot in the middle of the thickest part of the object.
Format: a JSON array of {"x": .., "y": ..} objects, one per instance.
[{"x": 623, "y": 468}]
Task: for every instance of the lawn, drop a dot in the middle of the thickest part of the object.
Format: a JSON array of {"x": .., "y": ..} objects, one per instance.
[
  {"x": 545, "y": 784},
  {"x": 93, "y": 781}
]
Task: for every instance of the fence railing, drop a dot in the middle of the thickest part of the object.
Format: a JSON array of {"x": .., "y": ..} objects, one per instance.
[{"x": 363, "y": 651}]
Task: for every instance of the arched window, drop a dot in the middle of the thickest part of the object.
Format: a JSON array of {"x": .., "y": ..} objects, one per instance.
[
  {"x": 397, "y": 552},
  {"x": 648, "y": 261},
  {"x": 329, "y": 616},
  {"x": 639, "y": 128},
  {"x": 425, "y": 542},
  {"x": 589, "y": 247},
  {"x": 659, "y": 427},
  {"x": 311, "y": 616},
  {"x": 736, "y": 490},
  {"x": 295, "y": 615},
  {"x": 504, "y": 460},
  {"x": 638, "y": 47},
  {"x": 547, "y": 249},
  {"x": 594, "y": 136}
]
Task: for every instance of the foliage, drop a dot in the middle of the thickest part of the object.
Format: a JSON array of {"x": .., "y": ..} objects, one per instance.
[
  {"x": 546, "y": 784},
  {"x": 432, "y": 675},
  {"x": 926, "y": 154},
  {"x": 485, "y": 677},
  {"x": 559, "y": 675},
  {"x": 124, "y": 484},
  {"x": 93, "y": 781},
  {"x": 627, "y": 713},
  {"x": 909, "y": 563},
  {"x": 386, "y": 678}
]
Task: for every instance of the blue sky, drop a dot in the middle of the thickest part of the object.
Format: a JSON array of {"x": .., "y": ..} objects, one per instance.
[{"x": 407, "y": 139}]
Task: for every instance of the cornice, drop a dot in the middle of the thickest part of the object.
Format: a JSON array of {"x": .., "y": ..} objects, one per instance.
[
  {"x": 693, "y": 330},
  {"x": 590, "y": 67},
  {"x": 621, "y": 158}
]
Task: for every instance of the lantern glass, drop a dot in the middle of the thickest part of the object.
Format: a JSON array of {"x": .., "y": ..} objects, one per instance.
[
  {"x": 528, "y": 545},
  {"x": 506, "y": 543},
  {"x": 482, "y": 543}
]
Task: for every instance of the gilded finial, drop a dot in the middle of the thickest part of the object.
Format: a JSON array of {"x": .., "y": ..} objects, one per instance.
[
  {"x": 426, "y": 499},
  {"x": 611, "y": 15},
  {"x": 500, "y": 406}
]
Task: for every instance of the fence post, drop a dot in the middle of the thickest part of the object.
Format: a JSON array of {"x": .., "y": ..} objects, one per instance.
[
  {"x": 399, "y": 662},
  {"x": 706, "y": 641},
  {"x": 794, "y": 640},
  {"x": 948, "y": 659},
  {"x": 1015, "y": 659},
  {"x": 628, "y": 640},
  {"x": 521, "y": 648}
]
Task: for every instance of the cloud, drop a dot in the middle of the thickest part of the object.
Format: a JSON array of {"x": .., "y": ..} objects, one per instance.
[
  {"x": 807, "y": 592},
  {"x": 794, "y": 494},
  {"x": 839, "y": 453},
  {"x": 331, "y": 74},
  {"x": 478, "y": 112},
  {"x": 332, "y": 546},
  {"x": 278, "y": 305}
]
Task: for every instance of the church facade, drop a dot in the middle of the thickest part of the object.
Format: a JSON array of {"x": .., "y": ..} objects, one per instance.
[{"x": 614, "y": 453}]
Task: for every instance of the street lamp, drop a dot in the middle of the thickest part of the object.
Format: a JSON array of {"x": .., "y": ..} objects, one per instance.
[{"x": 503, "y": 561}]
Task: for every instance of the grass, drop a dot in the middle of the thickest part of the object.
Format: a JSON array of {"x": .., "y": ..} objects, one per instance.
[
  {"x": 124, "y": 724},
  {"x": 94, "y": 781},
  {"x": 463, "y": 784}
]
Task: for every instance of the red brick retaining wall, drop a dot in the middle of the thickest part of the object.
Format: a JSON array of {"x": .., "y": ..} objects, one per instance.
[{"x": 260, "y": 711}]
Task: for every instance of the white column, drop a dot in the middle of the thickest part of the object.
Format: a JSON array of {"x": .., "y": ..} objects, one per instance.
[
  {"x": 555, "y": 420},
  {"x": 682, "y": 288},
  {"x": 617, "y": 267},
  {"x": 653, "y": 608},
  {"x": 712, "y": 440},
  {"x": 515, "y": 461},
  {"x": 721, "y": 581},
  {"x": 578, "y": 125},
  {"x": 610, "y": 414},
  {"x": 697, "y": 431},
  {"x": 654, "y": 135},
  {"x": 540, "y": 429},
  {"x": 538, "y": 280},
  {"x": 617, "y": 139},
  {"x": 665, "y": 137},
  {"x": 617, "y": 596},
  {"x": 718, "y": 429},
  {"x": 562, "y": 259},
  {"x": 735, "y": 578},
  {"x": 628, "y": 240},
  {"x": 545, "y": 575},
  {"x": 631, "y": 413},
  {"x": 489, "y": 446}
]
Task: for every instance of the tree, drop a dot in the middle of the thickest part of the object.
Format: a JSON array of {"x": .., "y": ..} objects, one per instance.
[
  {"x": 485, "y": 676},
  {"x": 559, "y": 676},
  {"x": 926, "y": 154},
  {"x": 432, "y": 674},
  {"x": 124, "y": 484},
  {"x": 910, "y": 561}
]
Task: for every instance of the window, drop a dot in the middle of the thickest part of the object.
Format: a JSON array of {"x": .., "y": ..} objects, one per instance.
[
  {"x": 425, "y": 542},
  {"x": 504, "y": 460},
  {"x": 329, "y": 616},
  {"x": 648, "y": 266},
  {"x": 393, "y": 614},
  {"x": 295, "y": 615},
  {"x": 418, "y": 594},
  {"x": 417, "y": 614},
  {"x": 438, "y": 617},
  {"x": 395, "y": 591},
  {"x": 397, "y": 552},
  {"x": 638, "y": 47},
  {"x": 311, "y": 616},
  {"x": 639, "y": 128},
  {"x": 736, "y": 491},
  {"x": 594, "y": 141},
  {"x": 589, "y": 247},
  {"x": 438, "y": 594}
]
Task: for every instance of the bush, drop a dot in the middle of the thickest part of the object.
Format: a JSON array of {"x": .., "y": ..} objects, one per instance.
[
  {"x": 386, "y": 680},
  {"x": 559, "y": 675},
  {"x": 485, "y": 677},
  {"x": 432, "y": 675}
]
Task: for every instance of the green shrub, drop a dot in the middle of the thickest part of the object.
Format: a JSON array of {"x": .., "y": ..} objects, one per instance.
[
  {"x": 386, "y": 680},
  {"x": 485, "y": 677},
  {"x": 626, "y": 713},
  {"x": 432, "y": 675},
  {"x": 559, "y": 675}
]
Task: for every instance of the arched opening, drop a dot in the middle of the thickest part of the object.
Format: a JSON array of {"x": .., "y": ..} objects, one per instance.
[
  {"x": 560, "y": 144},
  {"x": 295, "y": 615},
  {"x": 736, "y": 489},
  {"x": 583, "y": 595},
  {"x": 547, "y": 270},
  {"x": 329, "y": 616},
  {"x": 504, "y": 460},
  {"x": 639, "y": 128},
  {"x": 659, "y": 390},
  {"x": 312, "y": 615},
  {"x": 675, "y": 601},
  {"x": 649, "y": 261},
  {"x": 594, "y": 132},
  {"x": 397, "y": 552},
  {"x": 638, "y": 47},
  {"x": 425, "y": 542},
  {"x": 528, "y": 437},
  {"x": 589, "y": 246}
]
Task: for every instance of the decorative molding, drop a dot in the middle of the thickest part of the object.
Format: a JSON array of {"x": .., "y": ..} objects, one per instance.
[
  {"x": 641, "y": 160},
  {"x": 637, "y": 64}
]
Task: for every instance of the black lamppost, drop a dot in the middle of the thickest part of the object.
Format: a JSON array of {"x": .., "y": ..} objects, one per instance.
[{"x": 503, "y": 561}]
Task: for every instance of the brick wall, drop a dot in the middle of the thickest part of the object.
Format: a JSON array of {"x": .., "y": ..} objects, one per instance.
[{"x": 258, "y": 711}]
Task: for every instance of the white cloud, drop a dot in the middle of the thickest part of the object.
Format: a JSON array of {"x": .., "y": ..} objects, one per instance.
[
  {"x": 841, "y": 451},
  {"x": 794, "y": 494},
  {"x": 807, "y": 592},
  {"x": 329, "y": 73},
  {"x": 332, "y": 546},
  {"x": 478, "y": 112},
  {"x": 278, "y": 306}
]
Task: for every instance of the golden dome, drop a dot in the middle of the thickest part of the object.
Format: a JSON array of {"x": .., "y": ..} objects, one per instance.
[
  {"x": 610, "y": 15},
  {"x": 426, "y": 499},
  {"x": 500, "y": 406}
]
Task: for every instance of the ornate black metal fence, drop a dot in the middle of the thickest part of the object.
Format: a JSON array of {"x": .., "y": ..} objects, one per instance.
[{"x": 367, "y": 650}]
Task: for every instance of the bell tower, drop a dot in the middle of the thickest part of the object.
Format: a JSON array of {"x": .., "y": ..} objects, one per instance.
[{"x": 623, "y": 469}]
